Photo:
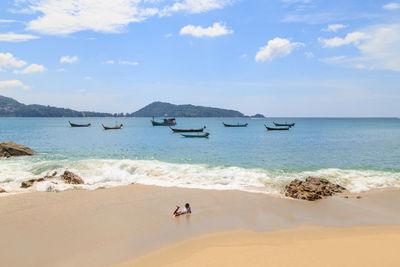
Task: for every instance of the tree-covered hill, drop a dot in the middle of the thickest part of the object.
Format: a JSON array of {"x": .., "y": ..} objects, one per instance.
[
  {"x": 12, "y": 108},
  {"x": 159, "y": 109}
]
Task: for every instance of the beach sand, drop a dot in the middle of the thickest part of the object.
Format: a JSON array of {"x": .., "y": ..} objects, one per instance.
[
  {"x": 117, "y": 225},
  {"x": 302, "y": 246}
]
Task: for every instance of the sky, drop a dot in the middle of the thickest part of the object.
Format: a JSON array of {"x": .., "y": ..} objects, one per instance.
[{"x": 305, "y": 58}]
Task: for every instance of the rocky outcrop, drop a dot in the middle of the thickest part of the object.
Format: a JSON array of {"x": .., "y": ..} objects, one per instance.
[
  {"x": 29, "y": 183},
  {"x": 2, "y": 190},
  {"x": 71, "y": 178},
  {"x": 312, "y": 189},
  {"x": 11, "y": 149},
  {"x": 68, "y": 177}
]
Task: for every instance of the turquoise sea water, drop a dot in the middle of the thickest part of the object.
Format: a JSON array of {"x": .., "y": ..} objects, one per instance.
[{"x": 358, "y": 153}]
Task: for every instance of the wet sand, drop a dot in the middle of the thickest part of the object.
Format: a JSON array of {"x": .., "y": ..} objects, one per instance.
[{"x": 112, "y": 226}]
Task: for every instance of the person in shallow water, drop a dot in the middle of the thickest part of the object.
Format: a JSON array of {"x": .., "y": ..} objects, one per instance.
[{"x": 186, "y": 210}]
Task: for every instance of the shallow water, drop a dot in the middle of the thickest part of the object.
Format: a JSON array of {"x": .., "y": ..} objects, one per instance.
[{"x": 359, "y": 154}]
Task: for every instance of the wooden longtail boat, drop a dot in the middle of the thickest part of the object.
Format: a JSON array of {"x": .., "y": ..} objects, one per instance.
[
  {"x": 276, "y": 129},
  {"x": 188, "y": 130},
  {"x": 112, "y": 128},
  {"x": 165, "y": 122},
  {"x": 285, "y": 124},
  {"x": 235, "y": 125},
  {"x": 204, "y": 135},
  {"x": 78, "y": 125}
]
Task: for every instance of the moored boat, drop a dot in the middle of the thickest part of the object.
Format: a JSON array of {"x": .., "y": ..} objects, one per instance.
[
  {"x": 112, "y": 128},
  {"x": 285, "y": 124},
  {"x": 187, "y": 130},
  {"x": 276, "y": 128},
  {"x": 235, "y": 125},
  {"x": 79, "y": 125},
  {"x": 165, "y": 122},
  {"x": 204, "y": 135}
]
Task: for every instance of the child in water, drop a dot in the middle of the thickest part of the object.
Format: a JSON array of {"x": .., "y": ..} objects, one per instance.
[{"x": 186, "y": 210}]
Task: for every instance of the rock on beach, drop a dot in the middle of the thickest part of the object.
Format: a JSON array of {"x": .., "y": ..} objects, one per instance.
[
  {"x": 312, "y": 189},
  {"x": 12, "y": 149}
]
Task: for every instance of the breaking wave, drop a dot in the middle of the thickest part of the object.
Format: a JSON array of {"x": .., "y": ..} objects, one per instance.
[{"x": 100, "y": 173}]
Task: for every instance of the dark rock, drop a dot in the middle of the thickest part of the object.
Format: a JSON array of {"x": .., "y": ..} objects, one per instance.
[
  {"x": 312, "y": 189},
  {"x": 11, "y": 149},
  {"x": 358, "y": 197},
  {"x": 71, "y": 178},
  {"x": 28, "y": 183},
  {"x": 2, "y": 190}
]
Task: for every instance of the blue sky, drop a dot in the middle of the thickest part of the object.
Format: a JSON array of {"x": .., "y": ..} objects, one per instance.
[{"x": 278, "y": 57}]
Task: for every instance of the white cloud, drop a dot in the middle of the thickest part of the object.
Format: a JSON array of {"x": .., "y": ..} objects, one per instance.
[
  {"x": 58, "y": 17},
  {"x": 61, "y": 70},
  {"x": 379, "y": 50},
  {"x": 391, "y": 6},
  {"x": 15, "y": 37},
  {"x": 334, "y": 27},
  {"x": 351, "y": 38},
  {"x": 68, "y": 59},
  {"x": 295, "y": 1},
  {"x": 32, "y": 68},
  {"x": 125, "y": 62},
  {"x": 110, "y": 62},
  {"x": 334, "y": 59},
  {"x": 8, "y": 60},
  {"x": 195, "y": 6},
  {"x": 68, "y": 16},
  {"x": 7, "y": 21},
  {"x": 88, "y": 78},
  {"x": 217, "y": 29},
  {"x": 309, "y": 54},
  {"x": 13, "y": 84},
  {"x": 277, "y": 47}
]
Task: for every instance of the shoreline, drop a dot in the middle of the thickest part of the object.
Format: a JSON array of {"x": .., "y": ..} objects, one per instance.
[{"x": 116, "y": 225}]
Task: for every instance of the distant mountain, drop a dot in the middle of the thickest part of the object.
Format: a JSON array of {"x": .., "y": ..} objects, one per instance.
[
  {"x": 12, "y": 108},
  {"x": 257, "y": 116},
  {"x": 159, "y": 109}
]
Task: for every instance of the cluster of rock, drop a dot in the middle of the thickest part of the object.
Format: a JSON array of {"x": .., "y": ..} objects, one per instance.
[
  {"x": 312, "y": 189},
  {"x": 68, "y": 177},
  {"x": 71, "y": 178},
  {"x": 11, "y": 149}
]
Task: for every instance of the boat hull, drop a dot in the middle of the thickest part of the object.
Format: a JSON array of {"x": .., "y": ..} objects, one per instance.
[
  {"x": 156, "y": 123},
  {"x": 235, "y": 125},
  {"x": 205, "y": 135},
  {"x": 284, "y": 124},
  {"x": 277, "y": 129},
  {"x": 112, "y": 128},
  {"x": 187, "y": 130},
  {"x": 79, "y": 125}
]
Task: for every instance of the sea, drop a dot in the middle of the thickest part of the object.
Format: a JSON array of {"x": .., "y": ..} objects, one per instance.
[{"x": 358, "y": 153}]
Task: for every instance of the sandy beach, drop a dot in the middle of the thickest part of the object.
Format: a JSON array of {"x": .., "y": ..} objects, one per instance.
[
  {"x": 124, "y": 224},
  {"x": 302, "y": 246}
]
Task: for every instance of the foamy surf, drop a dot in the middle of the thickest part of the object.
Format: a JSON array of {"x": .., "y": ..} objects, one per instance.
[{"x": 100, "y": 173}]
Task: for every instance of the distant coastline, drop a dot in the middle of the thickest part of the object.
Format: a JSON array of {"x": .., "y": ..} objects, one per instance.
[{"x": 10, "y": 107}]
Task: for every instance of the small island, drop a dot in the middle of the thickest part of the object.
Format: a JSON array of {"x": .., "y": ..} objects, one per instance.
[{"x": 159, "y": 109}]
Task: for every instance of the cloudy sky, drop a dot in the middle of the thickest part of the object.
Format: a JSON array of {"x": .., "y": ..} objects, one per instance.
[{"x": 276, "y": 57}]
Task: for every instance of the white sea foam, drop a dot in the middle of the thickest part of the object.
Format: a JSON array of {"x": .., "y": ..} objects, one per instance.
[{"x": 111, "y": 173}]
